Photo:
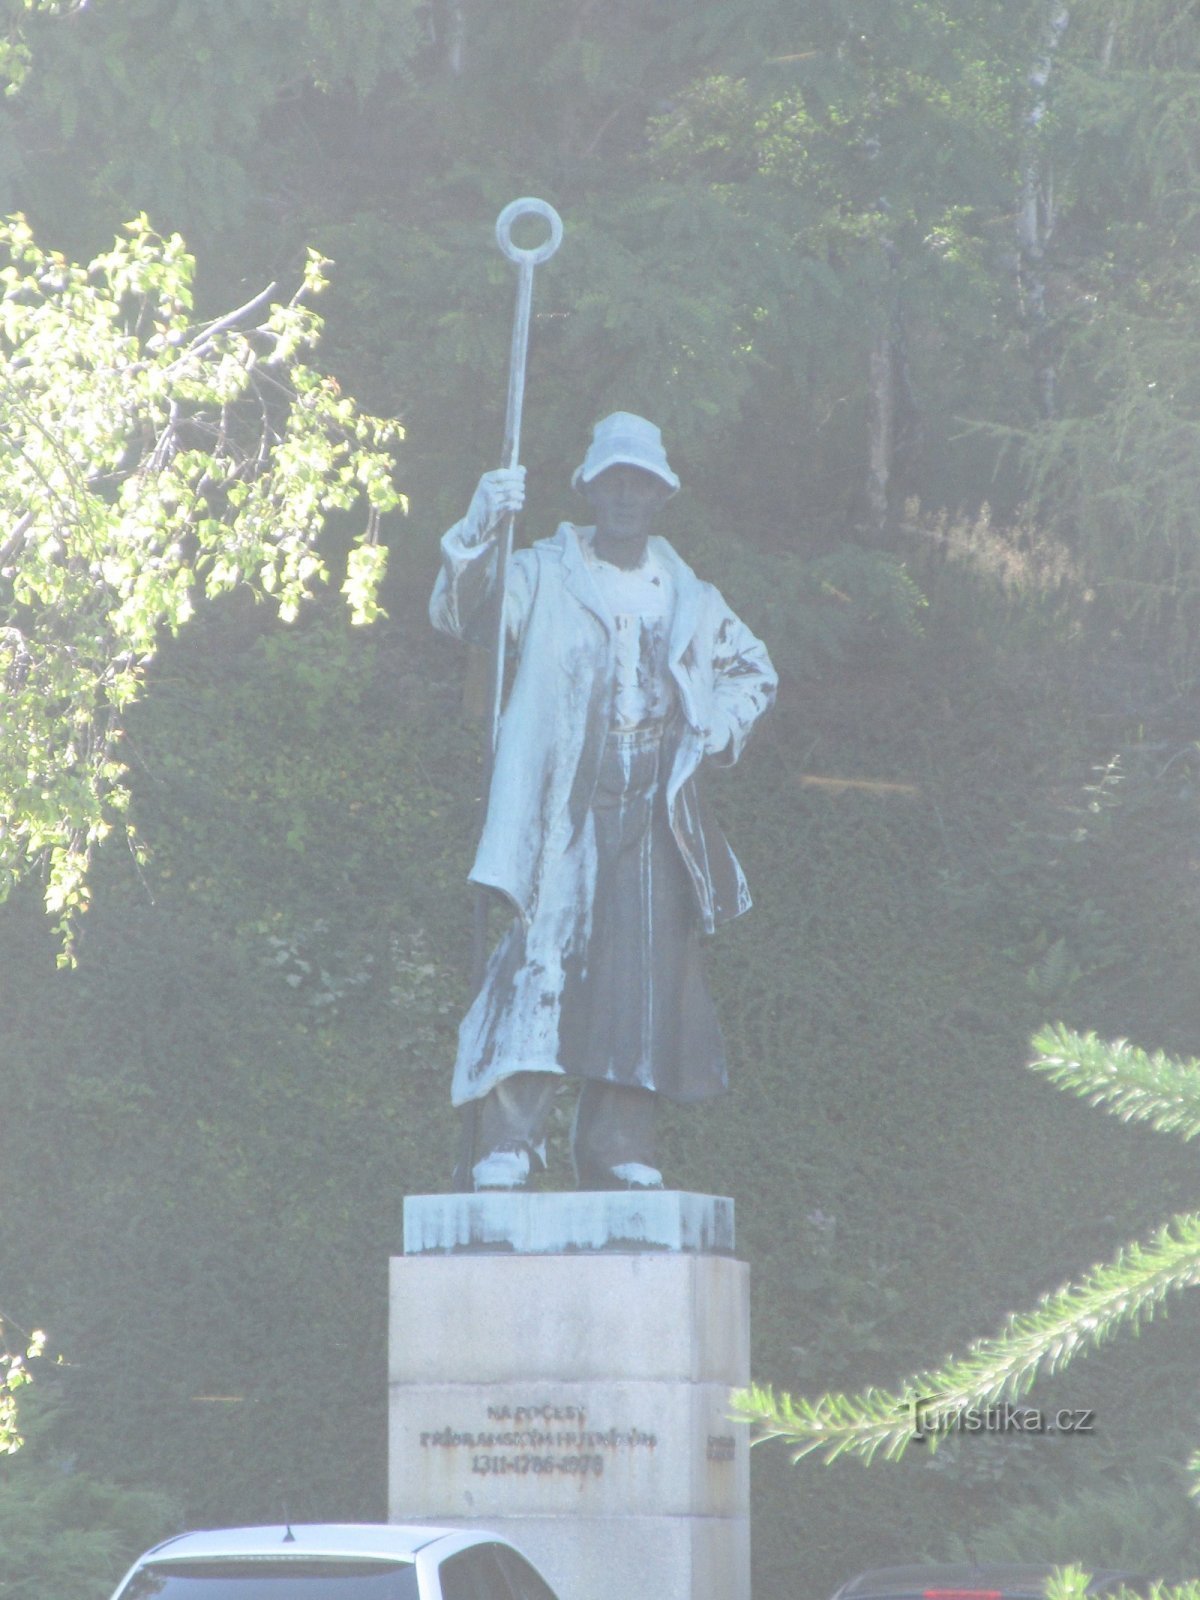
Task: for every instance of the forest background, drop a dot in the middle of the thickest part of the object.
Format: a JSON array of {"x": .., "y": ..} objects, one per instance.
[{"x": 912, "y": 289}]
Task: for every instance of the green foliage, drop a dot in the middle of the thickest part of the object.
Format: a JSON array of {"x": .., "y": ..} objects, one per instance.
[
  {"x": 1054, "y": 974},
  {"x": 1125, "y": 1293},
  {"x": 239, "y": 1151},
  {"x": 70, "y": 1536},
  {"x": 872, "y": 169},
  {"x": 152, "y": 462},
  {"x": 1134, "y": 1085},
  {"x": 750, "y": 198},
  {"x": 1129, "y": 1525},
  {"x": 207, "y": 1160},
  {"x": 166, "y": 109},
  {"x": 14, "y": 1375},
  {"x": 1115, "y": 477},
  {"x": 1113, "y": 472},
  {"x": 202, "y": 1160},
  {"x": 1071, "y": 1583},
  {"x": 859, "y": 1312},
  {"x": 1045, "y": 884},
  {"x": 1122, "y": 1295}
]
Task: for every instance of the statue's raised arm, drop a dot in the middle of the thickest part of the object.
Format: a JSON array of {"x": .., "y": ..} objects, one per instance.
[{"x": 469, "y": 555}]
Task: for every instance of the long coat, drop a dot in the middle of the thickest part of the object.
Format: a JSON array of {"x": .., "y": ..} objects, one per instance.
[{"x": 534, "y": 847}]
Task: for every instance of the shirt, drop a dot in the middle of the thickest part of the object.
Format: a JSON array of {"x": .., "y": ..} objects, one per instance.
[{"x": 642, "y": 603}]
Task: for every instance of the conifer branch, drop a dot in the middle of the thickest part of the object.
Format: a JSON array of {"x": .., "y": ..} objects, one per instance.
[
  {"x": 1123, "y": 1079},
  {"x": 1123, "y": 1293}
]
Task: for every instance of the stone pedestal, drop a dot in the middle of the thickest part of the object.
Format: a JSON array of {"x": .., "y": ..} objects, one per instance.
[{"x": 560, "y": 1369}]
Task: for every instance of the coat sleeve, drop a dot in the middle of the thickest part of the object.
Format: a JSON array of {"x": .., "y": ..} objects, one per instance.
[
  {"x": 462, "y": 600},
  {"x": 744, "y": 684}
]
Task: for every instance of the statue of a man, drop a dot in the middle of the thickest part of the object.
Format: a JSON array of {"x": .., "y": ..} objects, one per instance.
[{"x": 630, "y": 672}]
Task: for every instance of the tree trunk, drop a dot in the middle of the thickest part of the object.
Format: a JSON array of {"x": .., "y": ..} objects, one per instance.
[
  {"x": 882, "y": 425},
  {"x": 1035, "y": 216},
  {"x": 455, "y": 33}
]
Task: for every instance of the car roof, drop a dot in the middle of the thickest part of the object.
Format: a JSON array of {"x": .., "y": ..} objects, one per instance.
[
  {"x": 380, "y": 1541},
  {"x": 1011, "y": 1579}
]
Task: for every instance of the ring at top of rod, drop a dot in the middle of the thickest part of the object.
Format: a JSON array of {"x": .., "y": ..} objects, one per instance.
[{"x": 528, "y": 207}]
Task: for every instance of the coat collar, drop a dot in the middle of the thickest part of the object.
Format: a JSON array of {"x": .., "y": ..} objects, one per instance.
[{"x": 569, "y": 542}]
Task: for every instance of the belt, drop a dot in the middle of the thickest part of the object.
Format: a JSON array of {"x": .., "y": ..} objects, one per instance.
[{"x": 645, "y": 736}]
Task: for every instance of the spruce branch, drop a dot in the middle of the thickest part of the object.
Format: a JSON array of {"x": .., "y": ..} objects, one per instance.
[
  {"x": 1123, "y": 1293},
  {"x": 1133, "y": 1085}
]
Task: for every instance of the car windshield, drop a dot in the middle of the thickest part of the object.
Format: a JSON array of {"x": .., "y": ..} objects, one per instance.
[{"x": 273, "y": 1578}]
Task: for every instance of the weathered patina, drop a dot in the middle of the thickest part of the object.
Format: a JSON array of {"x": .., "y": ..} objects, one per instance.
[{"x": 630, "y": 672}]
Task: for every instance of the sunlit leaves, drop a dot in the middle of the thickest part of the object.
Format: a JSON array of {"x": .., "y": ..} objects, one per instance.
[
  {"x": 149, "y": 463},
  {"x": 14, "y": 1375},
  {"x": 363, "y": 572}
]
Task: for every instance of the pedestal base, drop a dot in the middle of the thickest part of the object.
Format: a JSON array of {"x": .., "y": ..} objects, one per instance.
[
  {"x": 618, "y": 1220},
  {"x": 577, "y": 1401}
]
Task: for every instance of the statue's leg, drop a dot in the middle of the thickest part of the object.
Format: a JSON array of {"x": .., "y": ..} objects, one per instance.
[
  {"x": 512, "y": 1130},
  {"x": 614, "y": 1137}
]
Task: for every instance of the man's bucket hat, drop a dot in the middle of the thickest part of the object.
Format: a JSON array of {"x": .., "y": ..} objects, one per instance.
[{"x": 625, "y": 440}]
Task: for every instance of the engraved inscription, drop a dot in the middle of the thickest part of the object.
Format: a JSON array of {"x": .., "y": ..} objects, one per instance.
[
  {"x": 540, "y": 1439},
  {"x": 576, "y": 1466}
]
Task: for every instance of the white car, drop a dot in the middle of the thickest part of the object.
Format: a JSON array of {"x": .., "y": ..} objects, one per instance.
[{"x": 330, "y": 1561}]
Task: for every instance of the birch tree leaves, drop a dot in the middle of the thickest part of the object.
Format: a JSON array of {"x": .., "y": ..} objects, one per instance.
[{"x": 149, "y": 462}]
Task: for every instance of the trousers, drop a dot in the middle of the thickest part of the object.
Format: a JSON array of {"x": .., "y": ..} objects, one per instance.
[{"x": 614, "y": 1123}]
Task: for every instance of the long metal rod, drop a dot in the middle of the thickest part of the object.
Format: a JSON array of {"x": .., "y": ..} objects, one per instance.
[
  {"x": 511, "y": 457},
  {"x": 526, "y": 260}
]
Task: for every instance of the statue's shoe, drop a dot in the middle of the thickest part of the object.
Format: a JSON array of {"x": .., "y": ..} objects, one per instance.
[
  {"x": 637, "y": 1175},
  {"x": 503, "y": 1169}
]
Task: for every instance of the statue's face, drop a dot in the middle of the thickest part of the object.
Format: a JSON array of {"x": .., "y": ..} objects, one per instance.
[{"x": 625, "y": 500}]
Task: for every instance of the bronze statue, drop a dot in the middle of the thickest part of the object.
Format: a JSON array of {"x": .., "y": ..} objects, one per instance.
[{"x": 629, "y": 673}]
